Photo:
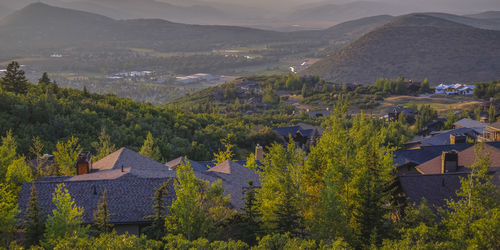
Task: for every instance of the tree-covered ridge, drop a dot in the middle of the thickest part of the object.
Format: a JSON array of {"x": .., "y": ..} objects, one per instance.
[{"x": 57, "y": 114}]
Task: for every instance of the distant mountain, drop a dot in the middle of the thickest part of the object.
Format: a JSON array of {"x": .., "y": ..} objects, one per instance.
[
  {"x": 483, "y": 23},
  {"x": 487, "y": 15},
  {"x": 43, "y": 26},
  {"x": 416, "y": 46},
  {"x": 4, "y": 10},
  {"x": 347, "y": 11}
]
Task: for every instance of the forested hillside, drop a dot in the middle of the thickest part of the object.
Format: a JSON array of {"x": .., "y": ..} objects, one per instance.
[{"x": 56, "y": 114}]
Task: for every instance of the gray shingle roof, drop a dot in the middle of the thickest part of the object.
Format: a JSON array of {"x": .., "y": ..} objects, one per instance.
[
  {"x": 444, "y": 138},
  {"x": 194, "y": 164},
  {"x": 434, "y": 188},
  {"x": 468, "y": 123},
  {"x": 129, "y": 191}
]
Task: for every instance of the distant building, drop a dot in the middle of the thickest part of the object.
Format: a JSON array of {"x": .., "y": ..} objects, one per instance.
[{"x": 454, "y": 89}]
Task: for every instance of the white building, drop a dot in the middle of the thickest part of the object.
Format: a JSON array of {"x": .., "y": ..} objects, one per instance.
[{"x": 454, "y": 89}]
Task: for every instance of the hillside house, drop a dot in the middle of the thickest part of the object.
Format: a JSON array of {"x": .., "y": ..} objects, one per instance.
[
  {"x": 491, "y": 133},
  {"x": 395, "y": 112},
  {"x": 468, "y": 123},
  {"x": 130, "y": 181},
  {"x": 434, "y": 172}
]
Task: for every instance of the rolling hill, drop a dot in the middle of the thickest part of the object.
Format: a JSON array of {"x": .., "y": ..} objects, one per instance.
[
  {"x": 416, "y": 46},
  {"x": 40, "y": 27}
]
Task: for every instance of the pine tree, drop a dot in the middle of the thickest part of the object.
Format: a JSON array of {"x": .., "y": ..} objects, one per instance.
[
  {"x": 37, "y": 150},
  {"x": 8, "y": 211},
  {"x": 35, "y": 224},
  {"x": 44, "y": 80},
  {"x": 14, "y": 79},
  {"x": 101, "y": 216},
  {"x": 103, "y": 147},
  {"x": 250, "y": 217},
  {"x": 149, "y": 148},
  {"x": 157, "y": 228}
]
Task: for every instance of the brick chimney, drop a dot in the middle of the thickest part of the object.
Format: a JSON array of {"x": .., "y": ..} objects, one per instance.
[
  {"x": 259, "y": 153},
  {"x": 449, "y": 162},
  {"x": 84, "y": 163}
]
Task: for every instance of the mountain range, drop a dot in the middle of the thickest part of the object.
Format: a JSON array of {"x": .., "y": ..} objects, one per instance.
[{"x": 416, "y": 46}]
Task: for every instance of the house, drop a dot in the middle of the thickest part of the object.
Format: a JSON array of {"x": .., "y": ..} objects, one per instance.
[
  {"x": 491, "y": 133},
  {"x": 300, "y": 135},
  {"x": 457, "y": 161},
  {"x": 454, "y": 89},
  {"x": 439, "y": 178},
  {"x": 130, "y": 181},
  {"x": 468, "y": 123},
  {"x": 455, "y": 136},
  {"x": 432, "y": 126},
  {"x": 395, "y": 112},
  {"x": 406, "y": 160}
]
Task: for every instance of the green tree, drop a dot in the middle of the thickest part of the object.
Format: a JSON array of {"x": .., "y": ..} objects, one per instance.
[
  {"x": 37, "y": 151},
  {"x": 227, "y": 154},
  {"x": 491, "y": 113},
  {"x": 14, "y": 79},
  {"x": 474, "y": 219},
  {"x": 8, "y": 211},
  {"x": 281, "y": 191},
  {"x": 18, "y": 172},
  {"x": 35, "y": 223},
  {"x": 65, "y": 221},
  {"x": 103, "y": 147},
  {"x": 66, "y": 156},
  {"x": 199, "y": 209},
  {"x": 150, "y": 149},
  {"x": 424, "y": 87},
  {"x": 304, "y": 91},
  {"x": 7, "y": 154},
  {"x": 44, "y": 80},
  {"x": 101, "y": 216},
  {"x": 249, "y": 222},
  {"x": 157, "y": 228}
]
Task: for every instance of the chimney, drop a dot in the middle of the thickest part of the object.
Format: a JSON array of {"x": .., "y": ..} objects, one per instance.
[
  {"x": 449, "y": 162},
  {"x": 259, "y": 153},
  {"x": 84, "y": 163},
  {"x": 456, "y": 139}
]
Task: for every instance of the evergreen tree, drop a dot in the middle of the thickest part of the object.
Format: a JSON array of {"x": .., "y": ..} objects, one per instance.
[
  {"x": 14, "y": 79},
  {"x": 200, "y": 209},
  {"x": 8, "y": 211},
  {"x": 149, "y": 148},
  {"x": 7, "y": 154},
  {"x": 35, "y": 224},
  {"x": 103, "y": 147},
  {"x": 491, "y": 113},
  {"x": 101, "y": 217},
  {"x": 281, "y": 181},
  {"x": 66, "y": 156},
  {"x": 157, "y": 228},
  {"x": 249, "y": 220},
  {"x": 65, "y": 221},
  {"x": 304, "y": 90},
  {"x": 44, "y": 80}
]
